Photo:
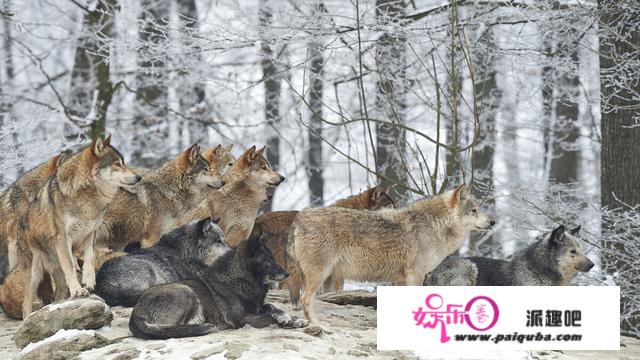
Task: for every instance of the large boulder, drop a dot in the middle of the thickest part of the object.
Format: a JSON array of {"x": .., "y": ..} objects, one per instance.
[
  {"x": 84, "y": 313},
  {"x": 64, "y": 344}
]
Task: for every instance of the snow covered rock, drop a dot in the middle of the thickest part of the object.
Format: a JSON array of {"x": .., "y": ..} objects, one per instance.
[
  {"x": 64, "y": 344},
  {"x": 85, "y": 313}
]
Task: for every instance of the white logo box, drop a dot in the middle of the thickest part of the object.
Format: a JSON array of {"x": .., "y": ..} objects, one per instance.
[{"x": 403, "y": 315}]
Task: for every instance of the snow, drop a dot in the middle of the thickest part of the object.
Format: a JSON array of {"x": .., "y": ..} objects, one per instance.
[{"x": 60, "y": 335}]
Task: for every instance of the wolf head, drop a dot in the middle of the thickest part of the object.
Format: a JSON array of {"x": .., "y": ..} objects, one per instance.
[
  {"x": 196, "y": 168},
  {"x": 220, "y": 158},
  {"x": 210, "y": 244},
  {"x": 466, "y": 210},
  {"x": 255, "y": 171},
  {"x": 108, "y": 164},
  {"x": 567, "y": 253},
  {"x": 261, "y": 261}
]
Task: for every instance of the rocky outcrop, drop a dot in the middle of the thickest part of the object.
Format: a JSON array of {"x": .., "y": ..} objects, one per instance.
[
  {"x": 353, "y": 297},
  {"x": 84, "y": 313},
  {"x": 65, "y": 344}
]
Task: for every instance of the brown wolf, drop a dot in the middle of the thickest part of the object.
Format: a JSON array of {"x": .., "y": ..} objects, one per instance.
[
  {"x": 273, "y": 228},
  {"x": 15, "y": 200},
  {"x": 388, "y": 245},
  {"x": 66, "y": 214},
  {"x": 237, "y": 203},
  {"x": 158, "y": 202}
]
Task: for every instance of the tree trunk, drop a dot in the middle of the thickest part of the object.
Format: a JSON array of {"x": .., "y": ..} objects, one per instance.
[
  {"x": 314, "y": 154},
  {"x": 488, "y": 97},
  {"x": 390, "y": 99},
  {"x": 91, "y": 87},
  {"x": 6, "y": 109},
  {"x": 191, "y": 92},
  {"x": 151, "y": 79},
  {"x": 620, "y": 160},
  {"x": 560, "y": 92},
  {"x": 272, "y": 87}
]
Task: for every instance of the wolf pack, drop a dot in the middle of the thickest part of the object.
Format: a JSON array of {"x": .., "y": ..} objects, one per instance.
[{"x": 184, "y": 246}]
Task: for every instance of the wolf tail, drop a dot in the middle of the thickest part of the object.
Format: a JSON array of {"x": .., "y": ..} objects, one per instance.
[
  {"x": 296, "y": 277},
  {"x": 143, "y": 329}
]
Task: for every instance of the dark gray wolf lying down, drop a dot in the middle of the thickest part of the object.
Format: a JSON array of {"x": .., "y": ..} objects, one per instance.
[
  {"x": 552, "y": 260},
  {"x": 226, "y": 295},
  {"x": 177, "y": 256}
]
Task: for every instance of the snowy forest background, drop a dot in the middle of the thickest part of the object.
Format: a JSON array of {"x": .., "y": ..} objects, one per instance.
[{"x": 534, "y": 102}]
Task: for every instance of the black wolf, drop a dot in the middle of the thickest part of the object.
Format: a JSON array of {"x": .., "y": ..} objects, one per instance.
[
  {"x": 178, "y": 255},
  {"x": 227, "y": 295}
]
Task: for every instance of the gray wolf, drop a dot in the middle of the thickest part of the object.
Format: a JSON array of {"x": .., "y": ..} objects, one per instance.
[
  {"x": 65, "y": 215},
  {"x": 553, "y": 260},
  {"x": 247, "y": 185},
  {"x": 227, "y": 295},
  {"x": 273, "y": 229},
  {"x": 158, "y": 202},
  {"x": 389, "y": 245},
  {"x": 177, "y": 256},
  {"x": 15, "y": 200}
]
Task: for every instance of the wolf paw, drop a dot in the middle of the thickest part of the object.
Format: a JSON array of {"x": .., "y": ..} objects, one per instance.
[
  {"x": 297, "y": 322},
  {"x": 89, "y": 283},
  {"x": 80, "y": 292}
]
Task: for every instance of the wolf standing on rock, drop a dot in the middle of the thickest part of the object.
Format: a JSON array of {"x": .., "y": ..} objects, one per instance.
[
  {"x": 388, "y": 245},
  {"x": 66, "y": 214},
  {"x": 553, "y": 260}
]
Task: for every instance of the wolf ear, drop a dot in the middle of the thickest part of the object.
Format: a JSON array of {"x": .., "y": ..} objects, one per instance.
[
  {"x": 193, "y": 151},
  {"x": 217, "y": 150},
  {"x": 575, "y": 230},
  {"x": 107, "y": 141},
  {"x": 229, "y": 147},
  {"x": 253, "y": 243},
  {"x": 62, "y": 157},
  {"x": 98, "y": 145},
  {"x": 258, "y": 154},
  {"x": 459, "y": 194},
  {"x": 557, "y": 236}
]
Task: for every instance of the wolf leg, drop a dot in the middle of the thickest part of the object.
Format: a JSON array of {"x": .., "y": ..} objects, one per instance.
[
  {"x": 68, "y": 266},
  {"x": 88, "y": 267},
  {"x": 312, "y": 282},
  {"x": 32, "y": 280}
]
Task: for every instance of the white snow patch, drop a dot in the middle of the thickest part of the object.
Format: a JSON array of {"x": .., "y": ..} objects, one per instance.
[{"x": 60, "y": 335}]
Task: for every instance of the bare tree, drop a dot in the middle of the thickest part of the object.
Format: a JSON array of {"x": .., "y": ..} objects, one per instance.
[
  {"x": 151, "y": 77},
  {"x": 560, "y": 92},
  {"x": 620, "y": 161},
  {"x": 391, "y": 92},
  {"x": 488, "y": 95},
  {"x": 314, "y": 153},
  {"x": 91, "y": 87},
  {"x": 272, "y": 87}
]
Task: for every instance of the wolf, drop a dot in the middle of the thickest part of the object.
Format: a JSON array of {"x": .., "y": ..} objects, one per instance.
[
  {"x": 248, "y": 183},
  {"x": 65, "y": 215},
  {"x": 157, "y": 203},
  {"x": 551, "y": 261},
  {"x": 227, "y": 295},
  {"x": 389, "y": 245},
  {"x": 177, "y": 256},
  {"x": 273, "y": 228},
  {"x": 15, "y": 200}
]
